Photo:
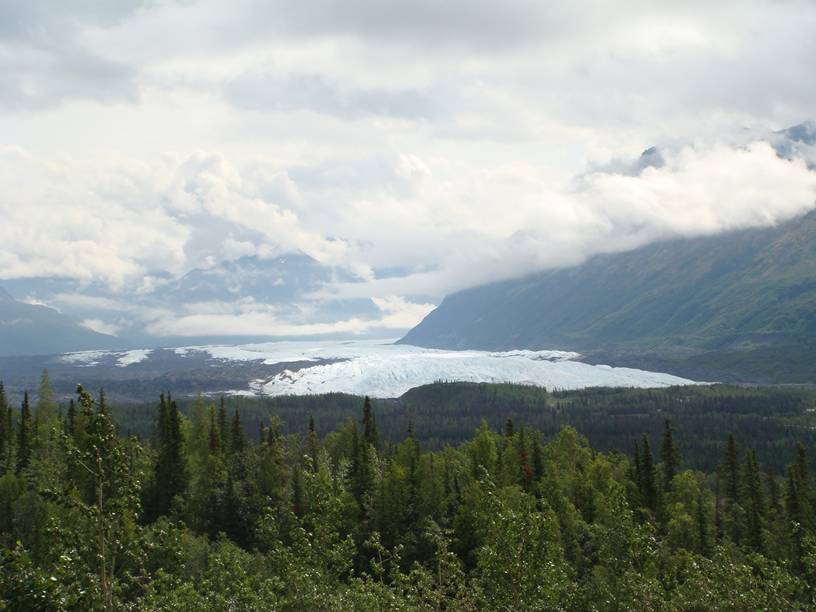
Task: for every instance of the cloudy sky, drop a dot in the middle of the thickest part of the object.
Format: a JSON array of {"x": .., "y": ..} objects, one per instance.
[{"x": 421, "y": 146}]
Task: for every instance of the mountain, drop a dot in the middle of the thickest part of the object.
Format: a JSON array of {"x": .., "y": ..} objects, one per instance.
[
  {"x": 27, "y": 329},
  {"x": 286, "y": 284},
  {"x": 282, "y": 278},
  {"x": 715, "y": 306}
]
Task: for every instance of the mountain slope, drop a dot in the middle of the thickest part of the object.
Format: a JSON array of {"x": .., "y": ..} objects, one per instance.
[
  {"x": 730, "y": 292},
  {"x": 27, "y": 329}
]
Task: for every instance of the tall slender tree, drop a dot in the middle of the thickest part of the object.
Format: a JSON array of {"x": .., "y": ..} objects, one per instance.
[
  {"x": 24, "y": 436},
  {"x": 312, "y": 444},
  {"x": 70, "y": 418},
  {"x": 169, "y": 472},
  {"x": 370, "y": 434},
  {"x": 754, "y": 501},
  {"x": 237, "y": 437},
  {"x": 214, "y": 436},
  {"x": 668, "y": 455},
  {"x": 731, "y": 468},
  {"x": 649, "y": 490},
  {"x": 5, "y": 431},
  {"x": 223, "y": 431}
]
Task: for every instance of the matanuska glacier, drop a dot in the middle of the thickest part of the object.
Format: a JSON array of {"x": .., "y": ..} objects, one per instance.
[
  {"x": 383, "y": 369},
  {"x": 380, "y": 368}
]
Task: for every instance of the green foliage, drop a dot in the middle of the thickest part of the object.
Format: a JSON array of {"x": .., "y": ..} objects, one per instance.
[{"x": 296, "y": 521}]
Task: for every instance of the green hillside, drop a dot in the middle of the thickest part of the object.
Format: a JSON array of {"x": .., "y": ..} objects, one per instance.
[{"x": 712, "y": 305}]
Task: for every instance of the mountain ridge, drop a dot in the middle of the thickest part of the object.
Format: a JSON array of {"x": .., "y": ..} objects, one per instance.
[
  {"x": 33, "y": 329},
  {"x": 737, "y": 291}
]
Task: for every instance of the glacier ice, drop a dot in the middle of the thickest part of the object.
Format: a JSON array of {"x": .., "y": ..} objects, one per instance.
[
  {"x": 383, "y": 369},
  {"x": 380, "y": 368}
]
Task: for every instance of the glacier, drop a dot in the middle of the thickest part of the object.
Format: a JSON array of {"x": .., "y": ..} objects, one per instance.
[
  {"x": 382, "y": 369},
  {"x": 378, "y": 368}
]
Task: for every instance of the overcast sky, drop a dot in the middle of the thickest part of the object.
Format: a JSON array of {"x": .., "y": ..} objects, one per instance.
[{"x": 458, "y": 141}]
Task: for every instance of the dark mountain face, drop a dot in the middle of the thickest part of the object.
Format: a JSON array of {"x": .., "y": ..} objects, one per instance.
[
  {"x": 27, "y": 329},
  {"x": 741, "y": 291}
]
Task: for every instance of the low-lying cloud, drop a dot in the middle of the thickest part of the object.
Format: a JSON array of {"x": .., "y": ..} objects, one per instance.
[{"x": 412, "y": 148}]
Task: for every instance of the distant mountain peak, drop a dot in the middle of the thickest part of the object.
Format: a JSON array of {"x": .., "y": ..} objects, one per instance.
[
  {"x": 651, "y": 158},
  {"x": 804, "y": 132},
  {"x": 5, "y": 296}
]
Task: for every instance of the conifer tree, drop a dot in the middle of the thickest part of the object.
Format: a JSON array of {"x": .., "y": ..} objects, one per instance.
[
  {"x": 5, "y": 431},
  {"x": 805, "y": 491},
  {"x": 215, "y": 438},
  {"x": 170, "y": 473},
  {"x": 103, "y": 405},
  {"x": 731, "y": 466},
  {"x": 637, "y": 468},
  {"x": 508, "y": 428},
  {"x": 668, "y": 455},
  {"x": 773, "y": 494},
  {"x": 370, "y": 434},
  {"x": 237, "y": 438},
  {"x": 70, "y": 418},
  {"x": 754, "y": 503},
  {"x": 312, "y": 444},
  {"x": 649, "y": 491},
  {"x": 24, "y": 436},
  {"x": 222, "y": 424},
  {"x": 718, "y": 526},
  {"x": 538, "y": 459}
]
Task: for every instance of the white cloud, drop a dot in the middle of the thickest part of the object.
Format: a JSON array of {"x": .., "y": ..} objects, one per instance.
[
  {"x": 455, "y": 142},
  {"x": 100, "y": 326},
  {"x": 246, "y": 317}
]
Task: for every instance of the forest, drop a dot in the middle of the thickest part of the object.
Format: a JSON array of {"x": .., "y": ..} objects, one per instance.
[{"x": 222, "y": 505}]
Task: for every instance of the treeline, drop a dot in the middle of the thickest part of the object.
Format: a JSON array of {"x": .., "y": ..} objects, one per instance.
[
  {"x": 200, "y": 516},
  {"x": 771, "y": 420}
]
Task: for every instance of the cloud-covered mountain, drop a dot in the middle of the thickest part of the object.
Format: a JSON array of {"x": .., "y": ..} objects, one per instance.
[
  {"x": 216, "y": 258},
  {"x": 29, "y": 329},
  {"x": 234, "y": 300},
  {"x": 738, "y": 305}
]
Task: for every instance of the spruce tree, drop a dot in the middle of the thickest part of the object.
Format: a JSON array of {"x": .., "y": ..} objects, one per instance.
[
  {"x": 312, "y": 444},
  {"x": 215, "y": 438},
  {"x": 509, "y": 430},
  {"x": 70, "y": 418},
  {"x": 170, "y": 474},
  {"x": 731, "y": 467},
  {"x": 237, "y": 439},
  {"x": 370, "y": 434},
  {"x": 5, "y": 432},
  {"x": 649, "y": 491},
  {"x": 668, "y": 455},
  {"x": 24, "y": 436},
  {"x": 222, "y": 424},
  {"x": 538, "y": 459},
  {"x": 805, "y": 491},
  {"x": 754, "y": 501}
]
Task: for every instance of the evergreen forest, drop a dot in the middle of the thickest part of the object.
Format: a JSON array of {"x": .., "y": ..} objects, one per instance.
[{"x": 216, "y": 504}]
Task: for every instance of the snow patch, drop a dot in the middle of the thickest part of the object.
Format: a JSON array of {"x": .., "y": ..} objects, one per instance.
[
  {"x": 83, "y": 358},
  {"x": 131, "y": 357}
]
